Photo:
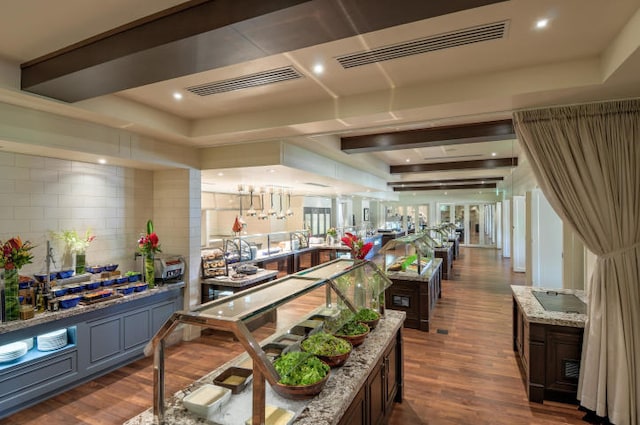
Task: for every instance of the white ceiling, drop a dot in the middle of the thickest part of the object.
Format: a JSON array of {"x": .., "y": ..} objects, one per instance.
[{"x": 589, "y": 51}]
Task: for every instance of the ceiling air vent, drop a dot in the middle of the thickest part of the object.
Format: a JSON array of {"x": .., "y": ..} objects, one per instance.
[
  {"x": 247, "y": 81},
  {"x": 316, "y": 184},
  {"x": 461, "y": 37}
]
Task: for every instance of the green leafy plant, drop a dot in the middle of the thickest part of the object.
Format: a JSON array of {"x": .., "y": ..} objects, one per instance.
[
  {"x": 299, "y": 368},
  {"x": 352, "y": 328},
  {"x": 366, "y": 315},
  {"x": 324, "y": 344}
]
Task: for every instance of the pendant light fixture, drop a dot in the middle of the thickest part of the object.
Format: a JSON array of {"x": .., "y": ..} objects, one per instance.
[
  {"x": 262, "y": 215},
  {"x": 272, "y": 210},
  {"x": 280, "y": 215},
  {"x": 251, "y": 212},
  {"x": 289, "y": 210}
]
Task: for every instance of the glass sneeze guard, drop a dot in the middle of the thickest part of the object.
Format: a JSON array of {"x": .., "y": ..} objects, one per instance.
[{"x": 354, "y": 284}]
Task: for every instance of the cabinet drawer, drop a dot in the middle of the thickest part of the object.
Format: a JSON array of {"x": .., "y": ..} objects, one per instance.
[{"x": 37, "y": 375}]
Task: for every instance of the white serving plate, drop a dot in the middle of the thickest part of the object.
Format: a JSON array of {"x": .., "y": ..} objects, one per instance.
[{"x": 206, "y": 400}]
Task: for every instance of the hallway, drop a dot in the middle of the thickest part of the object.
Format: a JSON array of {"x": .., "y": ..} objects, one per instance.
[{"x": 466, "y": 375}]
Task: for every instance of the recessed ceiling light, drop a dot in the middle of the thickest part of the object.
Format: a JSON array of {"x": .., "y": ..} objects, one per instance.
[
  {"x": 408, "y": 160},
  {"x": 220, "y": 174},
  {"x": 482, "y": 182},
  {"x": 177, "y": 96},
  {"x": 493, "y": 154},
  {"x": 272, "y": 170},
  {"x": 102, "y": 161},
  {"x": 542, "y": 23},
  {"x": 318, "y": 69},
  {"x": 445, "y": 193}
]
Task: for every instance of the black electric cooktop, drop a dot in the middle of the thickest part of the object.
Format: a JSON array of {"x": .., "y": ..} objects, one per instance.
[{"x": 565, "y": 303}]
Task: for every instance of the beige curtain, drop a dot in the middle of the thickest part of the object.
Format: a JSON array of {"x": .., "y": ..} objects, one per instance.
[{"x": 587, "y": 161}]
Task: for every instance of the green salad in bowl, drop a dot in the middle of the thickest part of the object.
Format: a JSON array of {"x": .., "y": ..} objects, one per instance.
[
  {"x": 355, "y": 332},
  {"x": 332, "y": 350},
  {"x": 302, "y": 375},
  {"x": 368, "y": 316}
]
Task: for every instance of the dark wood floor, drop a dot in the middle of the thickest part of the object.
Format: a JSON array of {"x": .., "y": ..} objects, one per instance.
[{"x": 465, "y": 375}]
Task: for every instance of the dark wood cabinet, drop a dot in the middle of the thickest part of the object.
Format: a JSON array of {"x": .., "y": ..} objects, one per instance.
[
  {"x": 446, "y": 254},
  {"x": 356, "y": 414},
  {"x": 374, "y": 402},
  {"x": 550, "y": 358},
  {"x": 417, "y": 296}
]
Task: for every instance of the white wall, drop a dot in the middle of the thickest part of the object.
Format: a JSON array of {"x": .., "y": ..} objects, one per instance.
[
  {"x": 546, "y": 243},
  {"x": 519, "y": 234},
  {"x": 40, "y": 195}
]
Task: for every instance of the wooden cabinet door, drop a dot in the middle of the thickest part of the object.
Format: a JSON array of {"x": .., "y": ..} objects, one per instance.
[
  {"x": 391, "y": 378},
  {"x": 377, "y": 394},
  {"x": 356, "y": 414}
]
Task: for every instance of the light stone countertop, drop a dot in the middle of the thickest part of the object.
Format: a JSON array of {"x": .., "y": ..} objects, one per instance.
[
  {"x": 325, "y": 409},
  {"x": 50, "y": 316},
  {"x": 535, "y": 312}
]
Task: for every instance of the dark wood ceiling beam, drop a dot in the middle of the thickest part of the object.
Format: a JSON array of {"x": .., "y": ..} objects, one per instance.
[
  {"x": 447, "y": 181},
  {"x": 457, "y": 165},
  {"x": 200, "y": 35},
  {"x": 445, "y": 187},
  {"x": 430, "y": 137}
]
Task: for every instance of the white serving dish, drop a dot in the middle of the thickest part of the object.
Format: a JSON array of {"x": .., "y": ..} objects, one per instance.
[
  {"x": 206, "y": 400},
  {"x": 275, "y": 416}
]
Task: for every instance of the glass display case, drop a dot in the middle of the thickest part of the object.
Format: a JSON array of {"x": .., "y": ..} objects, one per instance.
[
  {"x": 409, "y": 254},
  {"x": 334, "y": 291}
]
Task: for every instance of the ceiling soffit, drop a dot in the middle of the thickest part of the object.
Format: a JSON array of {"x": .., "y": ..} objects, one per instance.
[{"x": 170, "y": 44}]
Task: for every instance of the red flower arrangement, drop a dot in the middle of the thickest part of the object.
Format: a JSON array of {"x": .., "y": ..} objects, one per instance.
[
  {"x": 359, "y": 249},
  {"x": 149, "y": 243},
  {"x": 15, "y": 254}
]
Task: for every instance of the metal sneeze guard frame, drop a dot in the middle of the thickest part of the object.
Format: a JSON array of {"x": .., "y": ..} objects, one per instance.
[{"x": 221, "y": 315}]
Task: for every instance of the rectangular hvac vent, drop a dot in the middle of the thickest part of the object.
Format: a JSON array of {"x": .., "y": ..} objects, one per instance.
[
  {"x": 448, "y": 40},
  {"x": 247, "y": 81}
]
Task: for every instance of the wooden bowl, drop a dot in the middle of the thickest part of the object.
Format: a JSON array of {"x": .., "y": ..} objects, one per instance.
[
  {"x": 335, "y": 361},
  {"x": 371, "y": 323},
  {"x": 300, "y": 392},
  {"x": 355, "y": 340}
]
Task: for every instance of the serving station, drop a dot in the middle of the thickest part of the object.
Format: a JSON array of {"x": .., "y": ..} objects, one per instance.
[
  {"x": 74, "y": 345},
  {"x": 548, "y": 328},
  {"x": 417, "y": 278},
  {"x": 343, "y": 286}
]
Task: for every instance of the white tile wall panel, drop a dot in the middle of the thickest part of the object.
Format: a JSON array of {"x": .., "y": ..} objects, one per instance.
[
  {"x": 42, "y": 174},
  {"x": 44, "y": 200},
  {"x": 51, "y": 187},
  {"x": 57, "y": 164},
  {"x": 7, "y": 186},
  {"x": 28, "y": 186},
  {"x": 14, "y": 173},
  {"x": 13, "y": 227},
  {"x": 33, "y": 162},
  {"x": 7, "y": 159}
]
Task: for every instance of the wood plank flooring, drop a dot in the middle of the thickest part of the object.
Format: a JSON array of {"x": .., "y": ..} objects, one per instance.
[{"x": 467, "y": 376}]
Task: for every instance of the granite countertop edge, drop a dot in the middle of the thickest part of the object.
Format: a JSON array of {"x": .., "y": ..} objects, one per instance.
[{"x": 51, "y": 316}]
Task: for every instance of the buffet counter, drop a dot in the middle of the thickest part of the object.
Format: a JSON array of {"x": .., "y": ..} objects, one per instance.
[
  {"x": 416, "y": 294},
  {"x": 344, "y": 395},
  {"x": 72, "y": 346},
  {"x": 212, "y": 287},
  {"x": 548, "y": 343}
]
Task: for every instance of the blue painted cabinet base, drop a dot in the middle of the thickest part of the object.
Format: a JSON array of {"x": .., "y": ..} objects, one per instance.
[{"x": 99, "y": 341}]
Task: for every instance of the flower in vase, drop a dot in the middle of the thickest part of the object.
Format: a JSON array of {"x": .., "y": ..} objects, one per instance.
[
  {"x": 74, "y": 242},
  {"x": 15, "y": 254},
  {"x": 359, "y": 249},
  {"x": 149, "y": 244},
  {"x": 331, "y": 231}
]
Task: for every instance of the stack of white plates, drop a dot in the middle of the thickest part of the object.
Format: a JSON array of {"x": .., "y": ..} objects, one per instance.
[
  {"x": 10, "y": 352},
  {"x": 29, "y": 342},
  {"x": 52, "y": 340}
]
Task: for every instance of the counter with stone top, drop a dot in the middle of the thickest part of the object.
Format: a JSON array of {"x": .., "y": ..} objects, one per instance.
[
  {"x": 69, "y": 313},
  {"x": 98, "y": 338},
  {"x": 327, "y": 408},
  {"x": 548, "y": 345},
  {"x": 534, "y": 312}
]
